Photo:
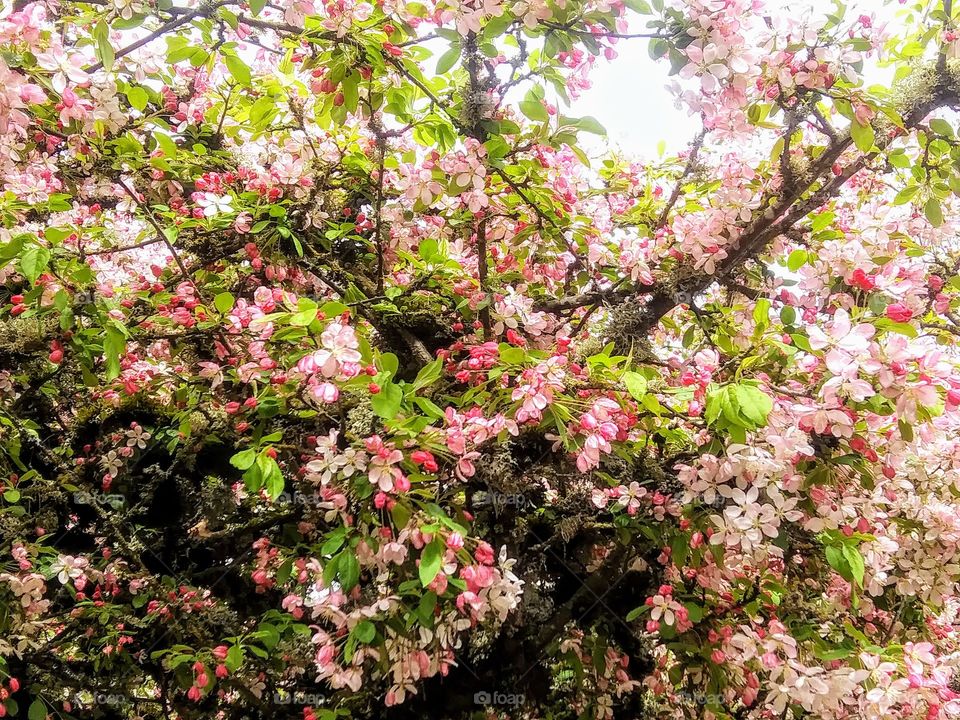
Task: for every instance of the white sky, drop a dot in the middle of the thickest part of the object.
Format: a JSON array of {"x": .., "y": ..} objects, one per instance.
[{"x": 630, "y": 99}]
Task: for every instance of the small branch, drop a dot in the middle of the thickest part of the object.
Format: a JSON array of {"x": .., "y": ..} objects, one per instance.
[
  {"x": 378, "y": 206},
  {"x": 173, "y": 23},
  {"x": 947, "y": 24},
  {"x": 602, "y": 33},
  {"x": 687, "y": 169}
]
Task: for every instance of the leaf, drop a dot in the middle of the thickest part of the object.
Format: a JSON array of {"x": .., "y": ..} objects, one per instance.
[
  {"x": 223, "y": 302},
  {"x": 365, "y": 631},
  {"x": 386, "y": 403},
  {"x": 755, "y": 405},
  {"x": 269, "y": 635},
  {"x": 104, "y": 51},
  {"x": 941, "y": 127},
  {"x": 272, "y": 477},
  {"x": 761, "y": 313},
  {"x": 428, "y": 248},
  {"x": 256, "y": 6},
  {"x": 348, "y": 569},
  {"x": 234, "y": 658},
  {"x": 114, "y": 345},
  {"x": 238, "y": 68},
  {"x": 430, "y": 561},
  {"x": 694, "y": 612},
  {"x": 138, "y": 97},
  {"x": 428, "y": 407},
  {"x": 389, "y": 363},
  {"x": 304, "y": 317},
  {"x": 448, "y": 59},
  {"x": 428, "y": 374},
  {"x": 906, "y": 430},
  {"x": 636, "y": 384},
  {"x": 836, "y": 559},
  {"x": 591, "y": 125},
  {"x": 933, "y": 211},
  {"x": 244, "y": 459},
  {"x": 426, "y": 607},
  {"x": 534, "y": 110},
  {"x": 906, "y": 195},
  {"x": 635, "y": 613},
  {"x": 796, "y": 260},
  {"x": 512, "y": 355},
  {"x": 862, "y": 136},
  {"x": 166, "y": 144},
  {"x": 37, "y": 710},
  {"x": 33, "y": 262},
  {"x": 855, "y": 563},
  {"x": 801, "y": 341}
]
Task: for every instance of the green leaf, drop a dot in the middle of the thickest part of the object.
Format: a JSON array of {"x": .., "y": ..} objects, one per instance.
[
  {"x": 801, "y": 341},
  {"x": 365, "y": 631},
  {"x": 348, "y": 569},
  {"x": 256, "y": 6},
  {"x": 244, "y": 459},
  {"x": 512, "y": 355},
  {"x": 591, "y": 125},
  {"x": 941, "y": 127},
  {"x": 636, "y": 384},
  {"x": 37, "y": 710},
  {"x": 836, "y": 559},
  {"x": 933, "y": 212},
  {"x": 428, "y": 248},
  {"x": 428, "y": 374},
  {"x": 234, "y": 658},
  {"x": 761, "y": 313},
  {"x": 534, "y": 110},
  {"x": 755, "y": 405},
  {"x": 238, "y": 68},
  {"x": 223, "y": 302},
  {"x": 906, "y": 430},
  {"x": 386, "y": 403},
  {"x": 796, "y": 260},
  {"x": 906, "y": 195},
  {"x": 33, "y": 262},
  {"x": 114, "y": 345},
  {"x": 104, "y": 50},
  {"x": 389, "y": 363},
  {"x": 448, "y": 59},
  {"x": 430, "y": 561},
  {"x": 862, "y": 136},
  {"x": 138, "y": 97},
  {"x": 428, "y": 407},
  {"x": 694, "y": 612},
  {"x": 855, "y": 563},
  {"x": 304, "y": 317},
  {"x": 272, "y": 477}
]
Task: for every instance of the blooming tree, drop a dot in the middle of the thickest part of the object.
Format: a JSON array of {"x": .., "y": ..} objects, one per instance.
[{"x": 339, "y": 380}]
